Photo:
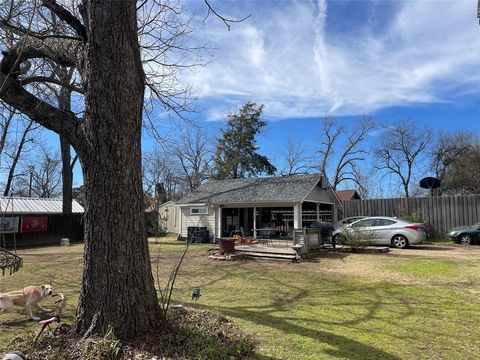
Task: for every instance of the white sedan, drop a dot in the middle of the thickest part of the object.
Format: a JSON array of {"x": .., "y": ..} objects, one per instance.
[{"x": 383, "y": 231}]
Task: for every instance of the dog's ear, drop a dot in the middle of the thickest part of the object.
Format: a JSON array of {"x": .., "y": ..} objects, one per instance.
[{"x": 43, "y": 287}]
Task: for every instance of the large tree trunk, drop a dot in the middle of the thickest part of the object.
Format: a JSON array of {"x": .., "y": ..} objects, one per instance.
[
  {"x": 118, "y": 287},
  {"x": 64, "y": 98},
  {"x": 67, "y": 176}
]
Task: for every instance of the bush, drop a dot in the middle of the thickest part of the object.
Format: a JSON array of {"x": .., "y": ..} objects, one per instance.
[
  {"x": 417, "y": 217},
  {"x": 356, "y": 238}
]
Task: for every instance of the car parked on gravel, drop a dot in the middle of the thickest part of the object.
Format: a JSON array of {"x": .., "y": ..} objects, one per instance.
[
  {"x": 381, "y": 230},
  {"x": 465, "y": 235}
]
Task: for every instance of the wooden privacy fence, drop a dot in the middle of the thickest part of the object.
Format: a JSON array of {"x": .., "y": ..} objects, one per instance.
[{"x": 439, "y": 213}]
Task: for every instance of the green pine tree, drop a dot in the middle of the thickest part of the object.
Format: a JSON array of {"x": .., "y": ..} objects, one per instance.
[{"x": 237, "y": 155}]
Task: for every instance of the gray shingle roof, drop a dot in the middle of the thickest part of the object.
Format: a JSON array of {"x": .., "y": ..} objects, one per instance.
[
  {"x": 275, "y": 189},
  {"x": 18, "y": 205}
]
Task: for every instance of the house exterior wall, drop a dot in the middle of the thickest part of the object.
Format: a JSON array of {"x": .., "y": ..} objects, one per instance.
[
  {"x": 204, "y": 220},
  {"x": 320, "y": 195}
]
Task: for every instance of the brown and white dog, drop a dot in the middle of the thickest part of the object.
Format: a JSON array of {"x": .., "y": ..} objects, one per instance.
[{"x": 28, "y": 297}]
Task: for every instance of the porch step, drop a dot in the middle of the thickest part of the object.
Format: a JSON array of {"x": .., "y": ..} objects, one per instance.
[
  {"x": 265, "y": 250},
  {"x": 266, "y": 255}
]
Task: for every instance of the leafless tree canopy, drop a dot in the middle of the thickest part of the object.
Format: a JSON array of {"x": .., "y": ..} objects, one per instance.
[
  {"x": 338, "y": 158},
  {"x": 296, "y": 159},
  {"x": 399, "y": 150},
  {"x": 41, "y": 177}
]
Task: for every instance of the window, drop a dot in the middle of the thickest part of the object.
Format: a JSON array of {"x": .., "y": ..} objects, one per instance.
[
  {"x": 383, "y": 222},
  {"x": 199, "y": 210},
  {"x": 363, "y": 223}
]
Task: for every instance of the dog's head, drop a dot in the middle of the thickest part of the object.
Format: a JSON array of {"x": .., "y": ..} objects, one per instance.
[{"x": 47, "y": 290}]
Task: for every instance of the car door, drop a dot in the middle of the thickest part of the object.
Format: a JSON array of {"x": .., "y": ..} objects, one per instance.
[
  {"x": 383, "y": 230},
  {"x": 367, "y": 228},
  {"x": 476, "y": 234}
]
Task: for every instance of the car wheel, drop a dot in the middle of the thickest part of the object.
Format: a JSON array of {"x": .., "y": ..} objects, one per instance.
[
  {"x": 465, "y": 239},
  {"x": 400, "y": 241}
]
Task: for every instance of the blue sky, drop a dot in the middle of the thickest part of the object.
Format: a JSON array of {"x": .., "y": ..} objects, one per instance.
[{"x": 416, "y": 60}]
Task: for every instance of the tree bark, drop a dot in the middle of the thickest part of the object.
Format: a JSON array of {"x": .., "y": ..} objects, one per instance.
[
  {"x": 118, "y": 287},
  {"x": 65, "y": 104},
  {"x": 67, "y": 176}
]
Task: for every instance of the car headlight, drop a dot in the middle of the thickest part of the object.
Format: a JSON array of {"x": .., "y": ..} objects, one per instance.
[{"x": 452, "y": 233}]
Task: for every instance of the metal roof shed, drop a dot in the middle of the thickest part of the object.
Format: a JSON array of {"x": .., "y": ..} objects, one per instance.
[{"x": 37, "y": 206}]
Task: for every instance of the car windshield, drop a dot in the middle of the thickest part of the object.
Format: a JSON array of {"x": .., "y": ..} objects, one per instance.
[{"x": 477, "y": 225}]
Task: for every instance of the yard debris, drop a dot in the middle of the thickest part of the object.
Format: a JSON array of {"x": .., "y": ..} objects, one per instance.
[{"x": 189, "y": 334}]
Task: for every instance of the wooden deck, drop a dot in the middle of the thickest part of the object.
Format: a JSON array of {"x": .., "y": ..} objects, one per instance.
[{"x": 261, "y": 251}]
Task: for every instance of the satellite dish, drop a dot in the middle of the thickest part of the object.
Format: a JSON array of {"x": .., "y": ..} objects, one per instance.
[{"x": 429, "y": 183}]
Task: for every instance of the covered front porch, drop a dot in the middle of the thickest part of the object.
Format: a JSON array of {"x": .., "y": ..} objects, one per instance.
[{"x": 272, "y": 224}]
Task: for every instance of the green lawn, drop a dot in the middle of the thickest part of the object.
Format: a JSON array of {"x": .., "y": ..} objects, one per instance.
[{"x": 409, "y": 304}]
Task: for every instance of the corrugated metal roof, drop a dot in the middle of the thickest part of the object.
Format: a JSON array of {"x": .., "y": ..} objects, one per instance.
[
  {"x": 275, "y": 189},
  {"x": 19, "y": 205}
]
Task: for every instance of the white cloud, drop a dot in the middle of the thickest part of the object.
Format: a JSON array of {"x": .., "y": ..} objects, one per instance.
[{"x": 287, "y": 57}]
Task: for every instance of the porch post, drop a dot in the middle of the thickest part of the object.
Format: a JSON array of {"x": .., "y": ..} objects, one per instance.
[
  {"x": 297, "y": 216},
  {"x": 335, "y": 213},
  {"x": 219, "y": 222},
  {"x": 318, "y": 212},
  {"x": 254, "y": 222}
]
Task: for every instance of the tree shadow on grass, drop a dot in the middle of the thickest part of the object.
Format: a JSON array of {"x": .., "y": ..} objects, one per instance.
[
  {"x": 338, "y": 346},
  {"x": 343, "y": 347}
]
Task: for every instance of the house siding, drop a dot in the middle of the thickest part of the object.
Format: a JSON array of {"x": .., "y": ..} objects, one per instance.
[
  {"x": 172, "y": 215},
  {"x": 187, "y": 219},
  {"x": 320, "y": 195}
]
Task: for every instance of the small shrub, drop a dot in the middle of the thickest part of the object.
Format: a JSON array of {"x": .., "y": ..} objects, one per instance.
[
  {"x": 108, "y": 348},
  {"x": 357, "y": 238}
]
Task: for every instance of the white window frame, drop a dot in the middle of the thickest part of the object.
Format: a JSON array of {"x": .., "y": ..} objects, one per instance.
[{"x": 202, "y": 210}]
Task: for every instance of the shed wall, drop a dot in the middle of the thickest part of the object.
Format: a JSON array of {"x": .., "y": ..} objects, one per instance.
[
  {"x": 59, "y": 226},
  {"x": 187, "y": 219},
  {"x": 172, "y": 216}
]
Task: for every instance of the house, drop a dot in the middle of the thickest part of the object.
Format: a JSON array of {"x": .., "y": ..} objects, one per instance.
[
  {"x": 347, "y": 195},
  {"x": 35, "y": 221},
  {"x": 226, "y": 207}
]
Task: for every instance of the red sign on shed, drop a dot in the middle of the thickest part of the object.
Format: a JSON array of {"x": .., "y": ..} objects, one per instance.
[{"x": 34, "y": 224}]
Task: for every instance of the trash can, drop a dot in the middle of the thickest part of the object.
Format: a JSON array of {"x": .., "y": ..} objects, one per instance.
[{"x": 226, "y": 246}]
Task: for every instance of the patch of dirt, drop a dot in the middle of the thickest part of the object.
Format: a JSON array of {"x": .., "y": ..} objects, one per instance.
[
  {"x": 189, "y": 334},
  {"x": 376, "y": 267},
  {"x": 437, "y": 251}
]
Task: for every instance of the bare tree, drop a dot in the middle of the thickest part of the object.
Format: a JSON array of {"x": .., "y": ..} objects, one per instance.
[
  {"x": 42, "y": 176},
  {"x": 6, "y": 117},
  {"x": 328, "y": 138},
  {"x": 399, "y": 149},
  {"x": 446, "y": 149},
  {"x": 195, "y": 156},
  {"x": 101, "y": 41},
  {"x": 18, "y": 148},
  {"x": 107, "y": 140},
  {"x": 343, "y": 155},
  {"x": 295, "y": 158},
  {"x": 157, "y": 169}
]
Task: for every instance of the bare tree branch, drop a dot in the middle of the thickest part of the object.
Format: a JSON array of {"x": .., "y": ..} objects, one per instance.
[
  {"x": 226, "y": 21},
  {"x": 61, "y": 122},
  {"x": 68, "y": 17}
]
